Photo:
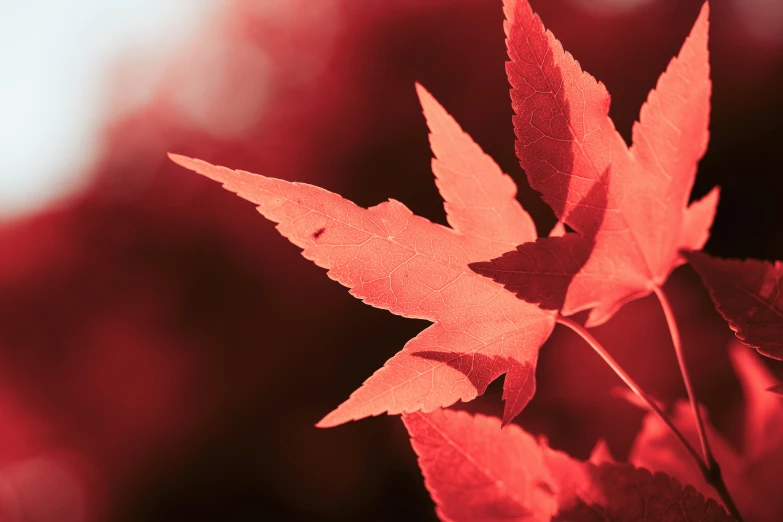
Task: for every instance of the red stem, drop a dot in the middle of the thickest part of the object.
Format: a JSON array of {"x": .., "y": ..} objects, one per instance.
[
  {"x": 709, "y": 459},
  {"x": 628, "y": 380},
  {"x": 711, "y": 471}
]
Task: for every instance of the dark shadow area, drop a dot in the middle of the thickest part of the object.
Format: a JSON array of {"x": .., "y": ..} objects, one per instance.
[
  {"x": 519, "y": 384},
  {"x": 541, "y": 272},
  {"x": 477, "y": 368},
  {"x": 547, "y": 127}
]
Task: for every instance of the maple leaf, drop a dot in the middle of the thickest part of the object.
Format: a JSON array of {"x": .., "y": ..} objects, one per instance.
[
  {"x": 752, "y": 472},
  {"x": 395, "y": 260},
  {"x": 749, "y": 295},
  {"x": 624, "y": 493},
  {"x": 629, "y": 206},
  {"x": 476, "y": 471}
]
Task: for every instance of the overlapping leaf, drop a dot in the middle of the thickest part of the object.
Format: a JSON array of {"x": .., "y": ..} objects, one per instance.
[
  {"x": 628, "y": 205},
  {"x": 476, "y": 471},
  {"x": 749, "y": 295},
  {"x": 395, "y": 260},
  {"x": 752, "y": 473},
  {"x": 623, "y": 493}
]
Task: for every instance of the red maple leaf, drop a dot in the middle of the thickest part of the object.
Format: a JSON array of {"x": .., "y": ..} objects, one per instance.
[
  {"x": 395, "y": 260},
  {"x": 624, "y": 493},
  {"x": 752, "y": 472},
  {"x": 629, "y": 206},
  {"x": 749, "y": 295},
  {"x": 476, "y": 471}
]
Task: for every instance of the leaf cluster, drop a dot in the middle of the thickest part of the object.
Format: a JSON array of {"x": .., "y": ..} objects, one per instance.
[{"x": 494, "y": 291}]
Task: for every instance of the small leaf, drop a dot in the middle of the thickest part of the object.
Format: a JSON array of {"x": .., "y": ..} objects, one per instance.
[
  {"x": 621, "y": 492},
  {"x": 752, "y": 471},
  {"x": 749, "y": 295},
  {"x": 475, "y": 470}
]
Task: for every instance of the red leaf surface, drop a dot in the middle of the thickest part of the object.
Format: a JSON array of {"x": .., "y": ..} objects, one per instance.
[
  {"x": 752, "y": 473},
  {"x": 395, "y": 260},
  {"x": 480, "y": 200},
  {"x": 749, "y": 295},
  {"x": 475, "y": 470},
  {"x": 543, "y": 271},
  {"x": 623, "y": 493},
  {"x": 601, "y": 453},
  {"x": 630, "y": 205}
]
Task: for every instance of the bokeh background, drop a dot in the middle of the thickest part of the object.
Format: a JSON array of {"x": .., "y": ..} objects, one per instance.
[{"x": 164, "y": 353}]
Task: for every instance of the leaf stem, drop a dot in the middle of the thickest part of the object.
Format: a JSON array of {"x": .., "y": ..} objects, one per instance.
[
  {"x": 677, "y": 342},
  {"x": 710, "y": 469},
  {"x": 628, "y": 380},
  {"x": 711, "y": 474}
]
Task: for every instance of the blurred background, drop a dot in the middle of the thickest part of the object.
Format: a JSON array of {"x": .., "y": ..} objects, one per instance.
[{"x": 164, "y": 353}]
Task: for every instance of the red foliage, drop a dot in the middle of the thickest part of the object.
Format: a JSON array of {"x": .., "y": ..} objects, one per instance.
[
  {"x": 147, "y": 322},
  {"x": 393, "y": 259},
  {"x": 749, "y": 295},
  {"x": 630, "y": 205},
  {"x": 751, "y": 471},
  {"x": 629, "y": 208},
  {"x": 475, "y": 470}
]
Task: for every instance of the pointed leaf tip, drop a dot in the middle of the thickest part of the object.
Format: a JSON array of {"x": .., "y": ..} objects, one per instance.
[
  {"x": 335, "y": 418},
  {"x": 196, "y": 165},
  {"x": 421, "y": 91},
  {"x": 222, "y": 175},
  {"x": 430, "y": 107},
  {"x": 324, "y": 423},
  {"x": 701, "y": 26},
  {"x": 179, "y": 159},
  {"x": 480, "y": 199},
  {"x": 704, "y": 14}
]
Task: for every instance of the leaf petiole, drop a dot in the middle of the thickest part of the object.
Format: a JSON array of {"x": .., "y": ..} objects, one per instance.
[
  {"x": 709, "y": 467},
  {"x": 677, "y": 342},
  {"x": 712, "y": 472},
  {"x": 633, "y": 385}
]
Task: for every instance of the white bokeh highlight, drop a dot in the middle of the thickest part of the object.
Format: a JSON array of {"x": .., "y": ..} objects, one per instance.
[{"x": 57, "y": 59}]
